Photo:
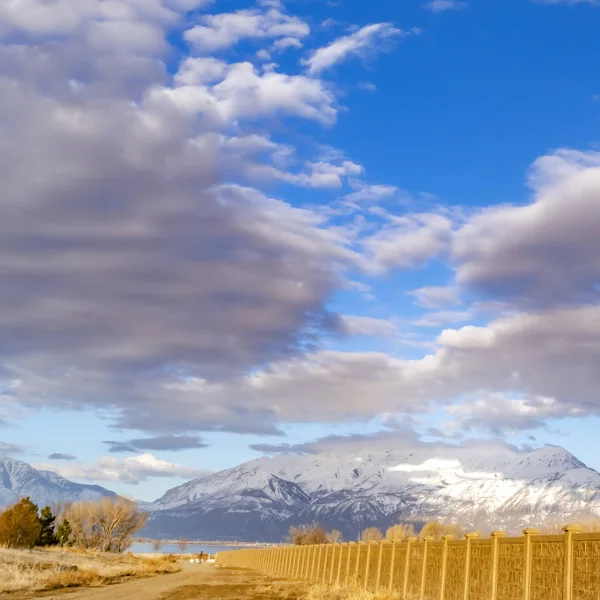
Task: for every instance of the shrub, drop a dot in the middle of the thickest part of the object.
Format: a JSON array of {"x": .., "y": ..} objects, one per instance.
[
  {"x": 63, "y": 533},
  {"x": 20, "y": 526}
]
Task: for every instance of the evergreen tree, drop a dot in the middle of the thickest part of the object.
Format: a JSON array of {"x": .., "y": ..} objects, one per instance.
[
  {"x": 63, "y": 533},
  {"x": 20, "y": 526},
  {"x": 47, "y": 535}
]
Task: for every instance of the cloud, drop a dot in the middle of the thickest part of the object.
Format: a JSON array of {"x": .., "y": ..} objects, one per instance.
[
  {"x": 163, "y": 442},
  {"x": 220, "y": 32},
  {"x": 540, "y": 254},
  {"x": 285, "y": 43},
  {"x": 7, "y": 448},
  {"x": 435, "y": 296},
  {"x": 371, "y": 38},
  {"x": 60, "y": 456},
  {"x": 439, "y": 6},
  {"x": 409, "y": 241},
  {"x": 404, "y": 438},
  {"x": 443, "y": 317},
  {"x": 401, "y": 437},
  {"x": 121, "y": 288},
  {"x": 499, "y": 412},
  {"x": 131, "y": 470},
  {"x": 370, "y": 193},
  {"x": 243, "y": 93},
  {"x": 368, "y": 326}
]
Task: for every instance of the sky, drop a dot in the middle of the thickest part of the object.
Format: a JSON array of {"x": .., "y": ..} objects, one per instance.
[{"x": 233, "y": 228}]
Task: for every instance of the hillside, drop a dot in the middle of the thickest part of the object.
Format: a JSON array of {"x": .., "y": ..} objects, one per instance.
[
  {"x": 260, "y": 499},
  {"x": 18, "y": 479}
]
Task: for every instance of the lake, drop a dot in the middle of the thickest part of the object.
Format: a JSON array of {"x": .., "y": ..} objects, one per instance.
[{"x": 146, "y": 548}]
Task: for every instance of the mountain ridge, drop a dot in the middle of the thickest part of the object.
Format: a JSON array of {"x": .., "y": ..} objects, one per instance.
[
  {"x": 260, "y": 499},
  {"x": 19, "y": 479}
]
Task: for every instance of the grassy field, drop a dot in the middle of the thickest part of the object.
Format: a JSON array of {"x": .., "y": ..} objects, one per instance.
[{"x": 38, "y": 570}]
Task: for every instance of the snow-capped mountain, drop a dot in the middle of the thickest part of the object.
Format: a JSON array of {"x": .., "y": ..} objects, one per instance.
[
  {"x": 479, "y": 486},
  {"x": 18, "y": 479}
]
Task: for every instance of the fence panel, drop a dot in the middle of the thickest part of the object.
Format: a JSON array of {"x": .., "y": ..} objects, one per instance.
[
  {"x": 433, "y": 571},
  {"x": 533, "y": 567},
  {"x": 480, "y": 570},
  {"x": 511, "y": 569}
]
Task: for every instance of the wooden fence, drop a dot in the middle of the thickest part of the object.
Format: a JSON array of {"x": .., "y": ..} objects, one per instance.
[{"x": 531, "y": 567}]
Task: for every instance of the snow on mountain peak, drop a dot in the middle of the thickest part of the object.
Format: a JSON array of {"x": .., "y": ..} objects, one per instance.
[
  {"x": 380, "y": 486},
  {"x": 19, "y": 479}
]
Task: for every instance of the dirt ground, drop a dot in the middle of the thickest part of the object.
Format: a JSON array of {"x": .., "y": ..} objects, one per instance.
[{"x": 193, "y": 582}]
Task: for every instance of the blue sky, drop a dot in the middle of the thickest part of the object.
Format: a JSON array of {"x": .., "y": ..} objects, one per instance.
[{"x": 250, "y": 224}]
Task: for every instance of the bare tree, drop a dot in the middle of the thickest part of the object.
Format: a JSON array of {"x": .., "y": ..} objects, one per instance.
[
  {"x": 438, "y": 530},
  {"x": 156, "y": 546},
  {"x": 371, "y": 534},
  {"x": 334, "y": 536},
  {"x": 399, "y": 532},
  {"x": 183, "y": 546},
  {"x": 307, "y": 534},
  {"x": 107, "y": 525}
]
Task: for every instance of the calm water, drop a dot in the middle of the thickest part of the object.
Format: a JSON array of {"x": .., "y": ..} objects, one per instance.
[{"x": 146, "y": 548}]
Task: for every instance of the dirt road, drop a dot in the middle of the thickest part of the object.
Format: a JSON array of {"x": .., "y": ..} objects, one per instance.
[{"x": 194, "y": 582}]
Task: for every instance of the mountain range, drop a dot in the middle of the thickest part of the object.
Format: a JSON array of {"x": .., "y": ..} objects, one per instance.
[
  {"x": 479, "y": 486},
  {"x": 18, "y": 479}
]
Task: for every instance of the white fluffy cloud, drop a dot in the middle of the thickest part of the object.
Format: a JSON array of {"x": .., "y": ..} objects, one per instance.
[
  {"x": 131, "y": 470},
  {"x": 241, "y": 92},
  {"x": 371, "y": 38},
  {"x": 222, "y": 31}
]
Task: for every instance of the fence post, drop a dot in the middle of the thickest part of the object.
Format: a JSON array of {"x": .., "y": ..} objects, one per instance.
[
  {"x": 568, "y": 564},
  {"x": 306, "y": 567},
  {"x": 528, "y": 533},
  {"x": 357, "y": 564},
  {"x": 334, "y": 548},
  {"x": 284, "y": 561},
  {"x": 379, "y": 565},
  {"x": 313, "y": 562},
  {"x": 350, "y": 546},
  {"x": 324, "y": 575},
  {"x": 409, "y": 543},
  {"x": 272, "y": 556},
  {"x": 298, "y": 561},
  {"x": 319, "y": 556},
  {"x": 445, "y": 540},
  {"x": 469, "y": 537},
  {"x": 339, "y": 566},
  {"x": 305, "y": 555},
  {"x": 392, "y": 566},
  {"x": 496, "y": 535},
  {"x": 424, "y": 565},
  {"x": 368, "y": 565}
]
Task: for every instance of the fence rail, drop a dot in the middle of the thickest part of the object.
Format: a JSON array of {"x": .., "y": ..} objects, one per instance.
[{"x": 530, "y": 567}]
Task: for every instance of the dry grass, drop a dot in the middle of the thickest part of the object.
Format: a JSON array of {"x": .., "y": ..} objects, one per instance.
[
  {"x": 328, "y": 592},
  {"x": 48, "y": 570}
]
